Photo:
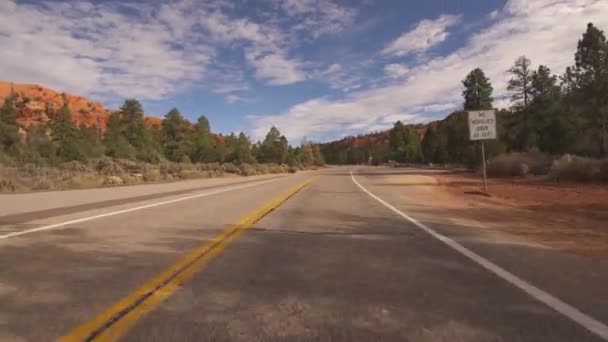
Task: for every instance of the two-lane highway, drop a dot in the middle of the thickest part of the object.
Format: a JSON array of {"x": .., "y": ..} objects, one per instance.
[{"x": 326, "y": 262}]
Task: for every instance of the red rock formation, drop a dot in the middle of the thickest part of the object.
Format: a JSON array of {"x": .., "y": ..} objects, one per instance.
[{"x": 37, "y": 103}]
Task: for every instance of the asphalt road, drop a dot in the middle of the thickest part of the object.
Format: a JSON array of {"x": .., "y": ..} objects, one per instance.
[{"x": 326, "y": 263}]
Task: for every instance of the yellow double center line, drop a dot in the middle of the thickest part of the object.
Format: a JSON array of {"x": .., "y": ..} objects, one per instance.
[{"x": 114, "y": 322}]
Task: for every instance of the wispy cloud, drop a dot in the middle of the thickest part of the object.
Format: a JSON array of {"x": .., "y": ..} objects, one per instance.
[
  {"x": 147, "y": 50},
  {"x": 317, "y": 17},
  {"x": 232, "y": 99},
  {"x": 545, "y": 30},
  {"x": 426, "y": 34},
  {"x": 95, "y": 48},
  {"x": 396, "y": 70}
]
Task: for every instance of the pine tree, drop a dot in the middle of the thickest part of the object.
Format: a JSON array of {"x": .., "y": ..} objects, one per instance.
[
  {"x": 204, "y": 144},
  {"x": 133, "y": 127},
  {"x": 274, "y": 148},
  {"x": 521, "y": 82},
  {"x": 115, "y": 143},
  {"x": 177, "y": 137},
  {"x": 220, "y": 149},
  {"x": 405, "y": 143},
  {"x": 306, "y": 155},
  {"x": 591, "y": 73},
  {"x": 88, "y": 141},
  {"x": 9, "y": 130},
  {"x": 318, "y": 158},
  {"x": 66, "y": 136},
  {"x": 430, "y": 145},
  {"x": 477, "y": 91},
  {"x": 544, "y": 86},
  {"x": 243, "y": 150},
  {"x": 39, "y": 148}
]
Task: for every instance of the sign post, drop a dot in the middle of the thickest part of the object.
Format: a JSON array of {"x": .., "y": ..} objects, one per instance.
[{"x": 482, "y": 126}]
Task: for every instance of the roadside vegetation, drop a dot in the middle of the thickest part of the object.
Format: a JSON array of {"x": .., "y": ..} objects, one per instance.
[
  {"x": 61, "y": 155},
  {"x": 556, "y": 126}
]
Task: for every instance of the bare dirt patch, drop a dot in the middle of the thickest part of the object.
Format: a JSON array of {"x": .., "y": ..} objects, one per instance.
[{"x": 566, "y": 216}]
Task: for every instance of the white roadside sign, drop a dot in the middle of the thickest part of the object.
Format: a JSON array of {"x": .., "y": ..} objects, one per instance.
[{"x": 482, "y": 125}]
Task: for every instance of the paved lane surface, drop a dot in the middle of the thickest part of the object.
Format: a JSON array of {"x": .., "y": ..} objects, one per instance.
[{"x": 329, "y": 264}]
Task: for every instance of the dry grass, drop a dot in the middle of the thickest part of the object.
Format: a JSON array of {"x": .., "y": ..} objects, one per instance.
[{"x": 110, "y": 172}]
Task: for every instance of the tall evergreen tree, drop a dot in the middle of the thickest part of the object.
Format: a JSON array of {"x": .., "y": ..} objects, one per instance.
[
  {"x": 521, "y": 82},
  {"x": 133, "y": 126},
  {"x": 405, "y": 143},
  {"x": 430, "y": 145},
  {"x": 274, "y": 148},
  {"x": 39, "y": 149},
  {"x": 9, "y": 130},
  {"x": 242, "y": 151},
  {"x": 544, "y": 85},
  {"x": 115, "y": 143},
  {"x": 477, "y": 91},
  {"x": 318, "y": 158},
  {"x": 306, "y": 155},
  {"x": 88, "y": 141},
  {"x": 591, "y": 73},
  {"x": 177, "y": 137},
  {"x": 204, "y": 143},
  {"x": 66, "y": 135}
]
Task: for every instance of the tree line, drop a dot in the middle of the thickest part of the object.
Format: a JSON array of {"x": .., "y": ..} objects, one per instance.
[
  {"x": 128, "y": 137},
  {"x": 548, "y": 113}
]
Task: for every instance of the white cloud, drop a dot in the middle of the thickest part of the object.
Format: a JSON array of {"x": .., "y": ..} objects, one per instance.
[
  {"x": 547, "y": 31},
  {"x": 340, "y": 78},
  {"x": 232, "y": 99},
  {"x": 317, "y": 17},
  {"x": 266, "y": 51},
  {"x": 396, "y": 70},
  {"x": 146, "y": 50},
  {"x": 426, "y": 34},
  {"x": 275, "y": 67},
  {"x": 96, "y": 49}
]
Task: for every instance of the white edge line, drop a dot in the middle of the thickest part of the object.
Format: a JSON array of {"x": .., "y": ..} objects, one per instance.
[
  {"x": 555, "y": 303},
  {"x": 90, "y": 218}
]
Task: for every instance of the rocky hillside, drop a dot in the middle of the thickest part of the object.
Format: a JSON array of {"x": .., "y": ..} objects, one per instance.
[
  {"x": 357, "y": 149},
  {"x": 37, "y": 104}
]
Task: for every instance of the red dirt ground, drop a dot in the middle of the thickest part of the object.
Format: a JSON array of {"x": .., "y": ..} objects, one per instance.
[{"x": 570, "y": 217}]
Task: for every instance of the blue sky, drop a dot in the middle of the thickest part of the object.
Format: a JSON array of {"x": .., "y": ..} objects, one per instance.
[{"x": 315, "y": 69}]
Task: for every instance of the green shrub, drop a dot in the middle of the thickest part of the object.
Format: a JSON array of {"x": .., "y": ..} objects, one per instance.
[
  {"x": 211, "y": 169},
  {"x": 74, "y": 166},
  {"x": 171, "y": 168},
  {"x": 519, "y": 164},
  {"x": 109, "y": 167},
  {"x": 112, "y": 180},
  {"x": 191, "y": 174},
  {"x": 579, "y": 169},
  {"x": 41, "y": 183},
  {"x": 6, "y": 160},
  {"x": 131, "y": 166},
  {"x": 261, "y": 169},
  {"x": 152, "y": 176},
  {"x": 132, "y": 179},
  {"x": 276, "y": 168},
  {"x": 81, "y": 181},
  {"x": 231, "y": 168},
  {"x": 7, "y": 185},
  {"x": 247, "y": 170}
]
